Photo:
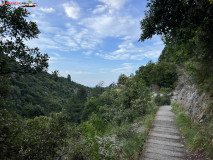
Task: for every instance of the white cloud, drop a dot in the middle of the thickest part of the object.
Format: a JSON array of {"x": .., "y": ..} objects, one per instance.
[
  {"x": 66, "y": 42},
  {"x": 54, "y": 59},
  {"x": 72, "y": 10},
  {"x": 115, "y": 4},
  {"x": 87, "y": 53},
  {"x": 127, "y": 50},
  {"x": 113, "y": 26},
  {"x": 57, "y": 54},
  {"x": 126, "y": 68},
  {"x": 47, "y": 10},
  {"x": 43, "y": 42},
  {"x": 46, "y": 27},
  {"x": 99, "y": 9},
  {"x": 90, "y": 32}
]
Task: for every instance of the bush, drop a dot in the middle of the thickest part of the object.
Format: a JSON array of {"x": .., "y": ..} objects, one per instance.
[
  {"x": 165, "y": 90},
  {"x": 198, "y": 136},
  {"x": 162, "y": 100}
]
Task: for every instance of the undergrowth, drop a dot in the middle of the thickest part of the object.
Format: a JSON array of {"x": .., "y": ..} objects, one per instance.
[
  {"x": 129, "y": 139},
  {"x": 199, "y": 137},
  {"x": 133, "y": 145}
]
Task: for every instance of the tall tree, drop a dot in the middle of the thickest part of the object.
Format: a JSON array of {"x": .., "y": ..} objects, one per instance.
[
  {"x": 69, "y": 78},
  {"x": 186, "y": 28},
  {"x": 55, "y": 75},
  {"x": 15, "y": 55}
]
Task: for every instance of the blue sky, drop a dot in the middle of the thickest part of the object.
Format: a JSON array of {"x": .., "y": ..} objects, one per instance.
[{"x": 93, "y": 40}]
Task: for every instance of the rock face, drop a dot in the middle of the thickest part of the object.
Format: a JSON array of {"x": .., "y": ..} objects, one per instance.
[{"x": 188, "y": 96}]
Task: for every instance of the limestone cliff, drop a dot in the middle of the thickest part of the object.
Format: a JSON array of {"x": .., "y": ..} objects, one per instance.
[{"x": 196, "y": 103}]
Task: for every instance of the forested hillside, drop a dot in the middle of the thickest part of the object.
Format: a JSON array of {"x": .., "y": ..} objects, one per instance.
[
  {"x": 38, "y": 94},
  {"x": 44, "y": 116}
]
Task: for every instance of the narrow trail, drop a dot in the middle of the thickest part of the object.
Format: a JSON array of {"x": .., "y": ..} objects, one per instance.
[{"x": 164, "y": 141}]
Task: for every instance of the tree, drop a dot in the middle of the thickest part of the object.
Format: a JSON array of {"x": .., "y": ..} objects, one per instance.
[
  {"x": 98, "y": 89},
  {"x": 122, "y": 79},
  {"x": 44, "y": 137},
  {"x": 144, "y": 73},
  {"x": 164, "y": 74},
  {"x": 55, "y": 75},
  {"x": 186, "y": 29},
  {"x": 90, "y": 107},
  {"x": 82, "y": 95},
  {"x": 73, "y": 109},
  {"x": 15, "y": 56},
  {"x": 69, "y": 78},
  {"x": 181, "y": 22}
]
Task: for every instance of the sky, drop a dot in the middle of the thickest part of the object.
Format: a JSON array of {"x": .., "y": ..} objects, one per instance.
[{"x": 93, "y": 40}]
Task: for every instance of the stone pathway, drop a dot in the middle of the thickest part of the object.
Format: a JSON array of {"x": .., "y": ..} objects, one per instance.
[{"x": 164, "y": 142}]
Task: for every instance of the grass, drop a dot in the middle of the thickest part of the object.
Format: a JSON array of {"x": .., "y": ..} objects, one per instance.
[
  {"x": 133, "y": 143},
  {"x": 199, "y": 137},
  {"x": 124, "y": 141}
]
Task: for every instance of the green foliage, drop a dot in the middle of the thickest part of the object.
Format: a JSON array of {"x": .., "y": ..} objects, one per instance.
[
  {"x": 198, "y": 136},
  {"x": 4, "y": 90},
  {"x": 93, "y": 145},
  {"x": 125, "y": 102},
  {"x": 145, "y": 73},
  {"x": 133, "y": 146},
  {"x": 44, "y": 137},
  {"x": 122, "y": 79},
  {"x": 165, "y": 90},
  {"x": 98, "y": 90},
  {"x": 73, "y": 110},
  {"x": 39, "y": 138},
  {"x": 163, "y": 74},
  {"x": 10, "y": 135},
  {"x": 39, "y": 94},
  {"x": 30, "y": 110},
  {"x": 175, "y": 20},
  {"x": 55, "y": 75},
  {"x": 15, "y": 55},
  {"x": 162, "y": 100},
  {"x": 186, "y": 28},
  {"x": 132, "y": 141},
  {"x": 90, "y": 107},
  {"x": 30, "y": 128},
  {"x": 69, "y": 78},
  {"x": 116, "y": 108}
]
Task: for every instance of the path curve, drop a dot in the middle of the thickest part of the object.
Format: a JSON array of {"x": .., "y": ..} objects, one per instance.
[{"x": 164, "y": 141}]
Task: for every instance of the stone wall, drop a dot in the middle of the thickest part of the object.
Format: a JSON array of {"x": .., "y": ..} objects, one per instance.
[{"x": 194, "y": 102}]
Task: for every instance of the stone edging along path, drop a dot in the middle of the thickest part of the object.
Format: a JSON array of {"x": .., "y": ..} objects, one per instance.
[{"x": 164, "y": 141}]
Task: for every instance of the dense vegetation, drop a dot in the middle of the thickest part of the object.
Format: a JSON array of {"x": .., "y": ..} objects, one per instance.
[
  {"x": 198, "y": 136},
  {"x": 44, "y": 116},
  {"x": 162, "y": 74},
  {"x": 111, "y": 123},
  {"x": 186, "y": 29},
  {"x": 34, "y": 95}
]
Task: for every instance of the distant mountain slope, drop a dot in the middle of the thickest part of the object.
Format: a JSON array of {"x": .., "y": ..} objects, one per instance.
[{"x": 40, "y": 94}]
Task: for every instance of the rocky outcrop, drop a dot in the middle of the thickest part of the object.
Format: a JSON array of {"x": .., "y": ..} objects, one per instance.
[{"x": 195, "y": 103}]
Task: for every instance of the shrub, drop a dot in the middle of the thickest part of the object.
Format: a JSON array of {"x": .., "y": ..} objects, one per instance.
[
  {"x": 162, "y": 100},
  {"x": 198, "y": 136}
]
